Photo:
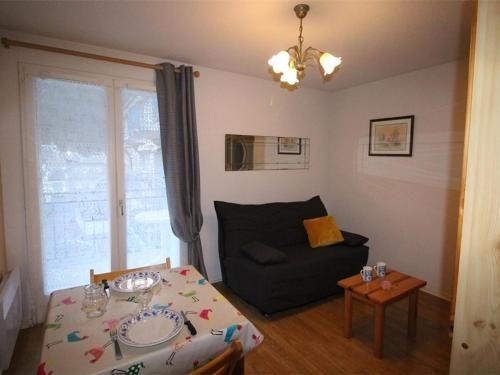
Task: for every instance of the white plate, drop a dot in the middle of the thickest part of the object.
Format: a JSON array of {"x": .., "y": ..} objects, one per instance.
[
  {"x": 124, "y": 282},
  {"x": 150, "y": 328}
]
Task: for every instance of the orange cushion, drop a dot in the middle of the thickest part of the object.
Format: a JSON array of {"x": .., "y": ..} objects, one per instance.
[{"x": 322, "y": 231}]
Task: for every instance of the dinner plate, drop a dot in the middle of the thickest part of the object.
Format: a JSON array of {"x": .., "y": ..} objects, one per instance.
[
  {"x": 123, "y": 283},
  {"x": 150, "y": 328}
]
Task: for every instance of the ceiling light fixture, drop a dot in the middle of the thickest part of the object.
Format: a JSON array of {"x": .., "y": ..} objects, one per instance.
[{"x": 292, "y": 62}]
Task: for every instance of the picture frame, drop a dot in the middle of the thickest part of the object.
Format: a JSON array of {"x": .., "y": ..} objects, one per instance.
[
  {"x": 391, "y": 136},
  {"x": 289, "y": 145}
]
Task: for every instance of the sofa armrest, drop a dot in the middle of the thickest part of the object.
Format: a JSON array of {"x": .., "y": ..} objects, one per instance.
[{"x": 353, "y": 239}]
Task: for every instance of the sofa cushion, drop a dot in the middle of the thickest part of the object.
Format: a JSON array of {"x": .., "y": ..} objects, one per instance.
[
  {"x": 322, "y": 231},
  {"x": 353, "y": 239},
  {"x": 276, "y": 224},
  {"x": 263, "y": 254},
  {"x": 301, "y": 257}
]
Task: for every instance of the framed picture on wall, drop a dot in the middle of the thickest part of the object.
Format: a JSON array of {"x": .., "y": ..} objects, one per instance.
[
  {"x": 289, "y": 145},
  {"x": 391, "y": 136}
]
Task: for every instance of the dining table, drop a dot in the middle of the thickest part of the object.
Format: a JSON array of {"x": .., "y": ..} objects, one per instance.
[{"x": 76, "y": 344}]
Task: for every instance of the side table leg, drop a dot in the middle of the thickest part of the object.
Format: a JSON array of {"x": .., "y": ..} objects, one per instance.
[
  {"x": 412, "y": 314},
  {"x": 347, "y": 313},
  {"x": 379, "y": 330}
]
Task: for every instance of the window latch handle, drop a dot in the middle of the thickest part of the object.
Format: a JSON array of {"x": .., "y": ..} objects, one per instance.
[{"x": 121, "y": 206}]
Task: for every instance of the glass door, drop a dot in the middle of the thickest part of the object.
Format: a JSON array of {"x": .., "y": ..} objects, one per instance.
[
  {"x": 95, "y": 188},
  {"x": 148, "y": 237},
  {"x": 71, "y": 138}
]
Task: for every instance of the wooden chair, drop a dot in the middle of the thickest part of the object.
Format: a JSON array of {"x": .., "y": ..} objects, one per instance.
[
  {"x": 225, "y": 363},
  {"x": 99, "y": 277}
]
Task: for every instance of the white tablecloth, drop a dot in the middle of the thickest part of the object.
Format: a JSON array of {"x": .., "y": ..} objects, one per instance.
[{"x": 74, "y": 344}]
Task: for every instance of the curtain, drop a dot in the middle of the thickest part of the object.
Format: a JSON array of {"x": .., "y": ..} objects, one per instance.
[{"x": 179, "y": 143}]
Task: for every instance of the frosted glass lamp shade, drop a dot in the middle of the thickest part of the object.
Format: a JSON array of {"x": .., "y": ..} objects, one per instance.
[
  {"x": 290, "y": 76},
  {"x": 329, "y": 62},
  {"x": 279, "y": 62}
]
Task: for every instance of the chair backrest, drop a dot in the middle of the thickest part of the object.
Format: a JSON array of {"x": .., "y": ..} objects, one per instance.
[
  {"x": 99, "y": 277},
  {"x": 224, "y": 363}
]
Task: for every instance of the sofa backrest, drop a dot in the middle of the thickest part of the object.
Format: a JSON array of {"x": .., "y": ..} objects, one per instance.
[{"x": 275, "y": 224}]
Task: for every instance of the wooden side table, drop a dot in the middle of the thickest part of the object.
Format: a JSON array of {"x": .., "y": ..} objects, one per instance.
[{"x": 372, "y": 294}]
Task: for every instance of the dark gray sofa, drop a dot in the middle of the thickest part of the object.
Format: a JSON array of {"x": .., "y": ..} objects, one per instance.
[{"x": 305, "y": 276}]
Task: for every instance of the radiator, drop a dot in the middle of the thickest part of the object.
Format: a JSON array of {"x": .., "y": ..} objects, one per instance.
[{"x": 10, "y": 315}]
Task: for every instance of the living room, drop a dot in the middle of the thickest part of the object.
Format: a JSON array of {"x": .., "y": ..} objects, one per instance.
[{"x": 408, "y": 207}]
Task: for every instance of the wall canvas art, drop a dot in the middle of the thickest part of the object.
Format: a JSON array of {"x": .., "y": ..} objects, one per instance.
[{"x": 391, "y": 136}]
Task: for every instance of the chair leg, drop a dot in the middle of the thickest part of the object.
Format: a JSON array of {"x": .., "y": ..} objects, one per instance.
[{"x": 239, "y": 369}]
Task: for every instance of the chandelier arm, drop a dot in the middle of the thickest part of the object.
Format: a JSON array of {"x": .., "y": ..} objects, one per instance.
[
  {"x": 295, "y": 56},
  {"x": 312, "y": 58},
  {"x": 312, "y": 53},
  {"x": 293, "y": 50}
]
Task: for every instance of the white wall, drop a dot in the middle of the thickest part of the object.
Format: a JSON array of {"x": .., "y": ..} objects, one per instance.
[
  {"x": 407, "y": 206},
  {"x": 226, "y": 103}
]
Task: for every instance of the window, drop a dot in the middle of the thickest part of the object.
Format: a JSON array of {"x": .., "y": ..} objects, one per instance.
[
  {"x": 147, "y": 221},
  {"x": 96, "y": 193},
  {"x": 73, "y": 181}
]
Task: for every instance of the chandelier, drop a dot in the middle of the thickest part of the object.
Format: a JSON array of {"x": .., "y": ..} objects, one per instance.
[{"x": 292, "y": 62}]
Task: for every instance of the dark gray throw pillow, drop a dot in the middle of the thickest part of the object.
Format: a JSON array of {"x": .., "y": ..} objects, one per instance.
[
  {"x": 353, "y": 239},
  {"x": 262, "y": 253}
]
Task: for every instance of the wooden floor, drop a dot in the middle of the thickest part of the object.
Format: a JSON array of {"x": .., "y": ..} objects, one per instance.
[
  {"x": 309, "y": 340},
  {"x": 27, "y": 352}
]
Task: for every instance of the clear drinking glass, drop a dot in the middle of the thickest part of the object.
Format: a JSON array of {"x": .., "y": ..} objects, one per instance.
[
  {"x": 142, "y": 291},
  {"x": 95, "y": 300}
]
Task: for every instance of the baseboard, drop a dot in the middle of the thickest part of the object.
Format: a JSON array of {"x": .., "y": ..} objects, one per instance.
[{"x": 436, "y": 294}]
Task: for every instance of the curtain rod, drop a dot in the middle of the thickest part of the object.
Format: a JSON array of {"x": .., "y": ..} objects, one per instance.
[{"x": 7, "y": 43}]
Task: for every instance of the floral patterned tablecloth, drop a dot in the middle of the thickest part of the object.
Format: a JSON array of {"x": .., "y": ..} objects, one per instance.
[{"x": 74, "y": 344}]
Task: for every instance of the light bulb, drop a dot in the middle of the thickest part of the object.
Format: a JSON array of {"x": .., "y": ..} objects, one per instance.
[
  {"x": 290, "y": 76},
  {"x": 280, "y": 62},
  {"x": 329, "y": 62}
]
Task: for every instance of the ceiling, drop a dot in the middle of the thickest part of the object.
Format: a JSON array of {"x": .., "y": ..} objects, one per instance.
[{"x": 376, "y": 39}]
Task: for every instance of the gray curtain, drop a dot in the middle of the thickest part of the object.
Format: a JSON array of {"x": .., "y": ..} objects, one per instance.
[{"x": 179, "y": 144}]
